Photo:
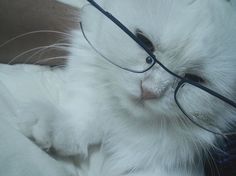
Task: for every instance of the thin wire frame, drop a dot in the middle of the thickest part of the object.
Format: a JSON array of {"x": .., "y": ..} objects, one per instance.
[
  {"x": 182, "y": 79},
  {"x": 108, "y": 60}
]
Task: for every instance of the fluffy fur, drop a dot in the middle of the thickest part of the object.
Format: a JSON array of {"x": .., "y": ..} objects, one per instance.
[{"x": 98, "y": 104}]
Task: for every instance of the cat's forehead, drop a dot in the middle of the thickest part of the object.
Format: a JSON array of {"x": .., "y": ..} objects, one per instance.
[
  {"x": 159, "y": 17},
  {"x": 159, "y": 10}
]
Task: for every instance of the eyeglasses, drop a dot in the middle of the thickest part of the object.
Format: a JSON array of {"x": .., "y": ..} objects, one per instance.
[{"x": 135, "y": 56}]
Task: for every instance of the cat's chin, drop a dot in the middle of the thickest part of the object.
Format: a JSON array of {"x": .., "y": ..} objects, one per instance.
[{"x": 145, "y": 109}]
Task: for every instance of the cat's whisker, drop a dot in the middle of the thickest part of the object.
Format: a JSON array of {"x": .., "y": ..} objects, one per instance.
[
  {"x": 202, "y": 151},
  {"x": 35, "y": 49},
  {"x": 34, "y": 32},
  {"x": 41, "y": 52},
  {"x": 50, "y": 59},
  {"x": 25, "y": 52},
  {"x": 59, "y": 46},
  {"x": 198, "y": 145},
  {"x": 211, "y": 161},
  {"x": 197, "y": 149}
]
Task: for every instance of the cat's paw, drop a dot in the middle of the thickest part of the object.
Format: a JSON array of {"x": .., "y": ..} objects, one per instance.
[
  {"x": 74, "y": 138},
  {"x": 69, "y": 135},
  {"x": 35, "y": 122},
  {"x": 42, "y": 135}
]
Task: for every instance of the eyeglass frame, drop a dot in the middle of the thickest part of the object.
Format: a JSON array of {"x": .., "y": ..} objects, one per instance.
[{"x": 155, "y": 61}]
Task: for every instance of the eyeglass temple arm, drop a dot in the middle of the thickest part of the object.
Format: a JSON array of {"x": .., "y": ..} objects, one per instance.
[{"x": 213, "y": 93}]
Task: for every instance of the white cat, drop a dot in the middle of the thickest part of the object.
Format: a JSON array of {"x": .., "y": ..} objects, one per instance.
[{"x": 132, "y": 118}]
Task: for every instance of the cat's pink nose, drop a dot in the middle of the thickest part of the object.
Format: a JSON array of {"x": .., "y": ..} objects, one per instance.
[{"x": 147, "y": 93}]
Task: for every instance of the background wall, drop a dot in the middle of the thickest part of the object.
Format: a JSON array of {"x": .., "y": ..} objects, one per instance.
[{"x": 21, "y": 16}]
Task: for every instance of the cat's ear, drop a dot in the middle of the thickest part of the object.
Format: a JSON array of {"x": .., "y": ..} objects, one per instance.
[{"x": 74, "y": 3}]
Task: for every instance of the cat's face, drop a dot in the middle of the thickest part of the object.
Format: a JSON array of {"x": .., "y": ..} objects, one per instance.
[{"x": 190, "y": 37}]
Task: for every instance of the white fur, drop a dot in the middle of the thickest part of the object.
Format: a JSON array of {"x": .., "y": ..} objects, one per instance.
[{"x": 98, "y": 101}]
